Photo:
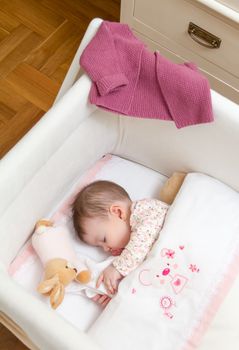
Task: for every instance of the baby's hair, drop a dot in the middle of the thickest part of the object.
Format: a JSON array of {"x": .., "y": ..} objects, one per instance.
[{"x": 94, "y": 200}]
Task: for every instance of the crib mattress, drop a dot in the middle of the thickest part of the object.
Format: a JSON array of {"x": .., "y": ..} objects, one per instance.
[{"x": 26, "y": 269}]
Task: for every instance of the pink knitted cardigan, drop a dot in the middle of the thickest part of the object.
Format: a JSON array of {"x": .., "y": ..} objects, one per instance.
[{"x": 129, "y": 79}]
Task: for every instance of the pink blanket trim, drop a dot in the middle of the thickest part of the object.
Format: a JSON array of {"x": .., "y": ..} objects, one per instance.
[
  {"x": 221, "y": 292},
  {"x": 64, "y": 209}
]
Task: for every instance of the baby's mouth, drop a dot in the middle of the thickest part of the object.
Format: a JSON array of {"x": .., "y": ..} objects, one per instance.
[{"x": 116, "y": 251}]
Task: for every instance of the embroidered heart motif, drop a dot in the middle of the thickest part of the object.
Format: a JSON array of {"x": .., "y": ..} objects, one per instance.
[
  {"x": 181, "y": 247},
  {"x": 177, "y": 282},
  {"x": 133, "y": 291}
]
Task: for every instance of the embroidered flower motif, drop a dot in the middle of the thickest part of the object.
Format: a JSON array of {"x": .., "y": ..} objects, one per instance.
[
  {"x": 170, "y": 253},
  {"x": 193, "y": 268}
]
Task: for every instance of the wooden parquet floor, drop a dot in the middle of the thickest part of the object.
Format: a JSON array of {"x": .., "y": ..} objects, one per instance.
[{"x": 38, "y": 39}]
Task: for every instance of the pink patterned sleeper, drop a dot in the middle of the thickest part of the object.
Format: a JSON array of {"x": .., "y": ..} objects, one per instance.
[{"x": 146, "y": 221}]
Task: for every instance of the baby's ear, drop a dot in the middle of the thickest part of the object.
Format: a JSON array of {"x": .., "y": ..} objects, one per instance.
[{"x": 117, "y": 210}]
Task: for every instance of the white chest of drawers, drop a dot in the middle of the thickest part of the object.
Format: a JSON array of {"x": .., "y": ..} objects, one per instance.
[{"x": 163, "y": 25}]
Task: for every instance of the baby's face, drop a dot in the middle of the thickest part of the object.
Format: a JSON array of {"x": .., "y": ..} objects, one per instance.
[{"x": 110, "y": 233}]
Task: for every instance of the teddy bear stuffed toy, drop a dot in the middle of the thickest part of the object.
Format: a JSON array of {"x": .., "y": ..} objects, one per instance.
[
  {"x": 171, "y": 187},
  {"x": 61, "y": 265}
]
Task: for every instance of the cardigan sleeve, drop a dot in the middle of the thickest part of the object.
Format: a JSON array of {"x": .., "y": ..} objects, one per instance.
[{"x": 101, "y": 62}]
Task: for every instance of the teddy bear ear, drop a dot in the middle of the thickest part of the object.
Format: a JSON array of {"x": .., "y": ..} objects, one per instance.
[
  {"x": 57, "y": 295},
  {"x": 47, "y": 285}
]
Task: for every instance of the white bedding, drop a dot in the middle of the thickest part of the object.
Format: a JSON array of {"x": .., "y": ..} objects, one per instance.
[
  {"x": 205, "y": 212},
  {"x": 26, "y": 269},
  {"x": 172, "y": 297}
]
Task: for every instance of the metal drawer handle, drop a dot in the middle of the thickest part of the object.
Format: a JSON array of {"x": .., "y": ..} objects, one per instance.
[{"x": 202, "y": 37}]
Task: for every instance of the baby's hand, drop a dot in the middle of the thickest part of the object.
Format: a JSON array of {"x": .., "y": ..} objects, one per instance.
[
  {"x": 102, "y": 300},
  {"x": 110, "y": 277}
]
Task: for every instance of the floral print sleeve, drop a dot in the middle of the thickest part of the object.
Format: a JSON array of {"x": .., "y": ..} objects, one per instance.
[{"x": 146, "y": 221}]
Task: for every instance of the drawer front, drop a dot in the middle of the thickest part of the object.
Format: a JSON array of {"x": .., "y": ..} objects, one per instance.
[
  {"x": 171, "y": 19},
  {"x": 215, "y": 83}
]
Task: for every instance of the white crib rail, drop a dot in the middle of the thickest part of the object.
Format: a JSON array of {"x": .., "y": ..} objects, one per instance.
[
  {"x": 74, "y": 71},
  {"x": 43, "y": 165}
]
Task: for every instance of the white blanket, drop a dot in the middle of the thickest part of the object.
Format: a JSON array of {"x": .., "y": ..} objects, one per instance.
[{"x": 168, "y": 302}]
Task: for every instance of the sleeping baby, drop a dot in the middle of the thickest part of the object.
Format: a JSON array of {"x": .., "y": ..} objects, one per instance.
[{"x": 105, "y": 216}]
